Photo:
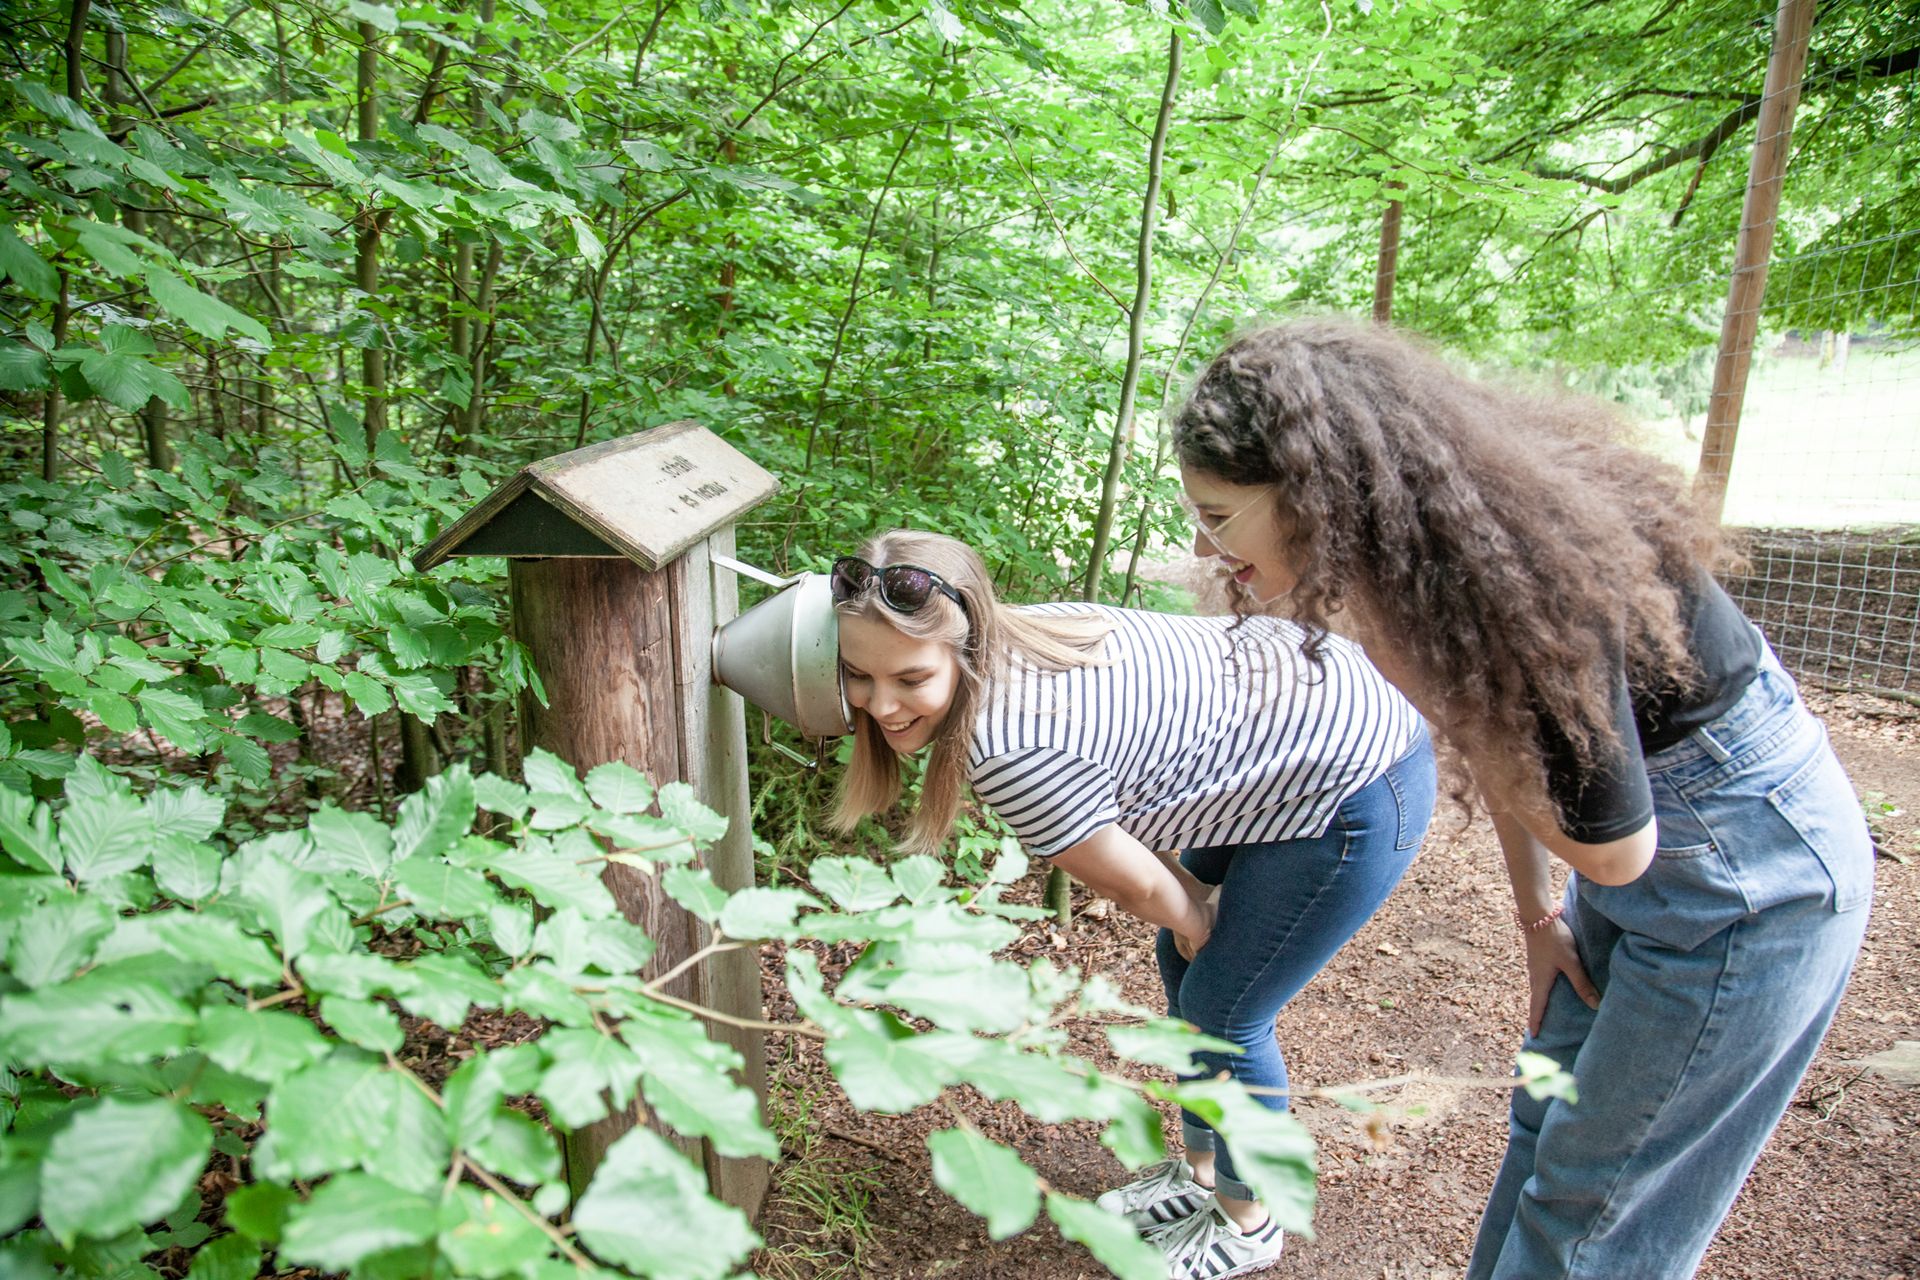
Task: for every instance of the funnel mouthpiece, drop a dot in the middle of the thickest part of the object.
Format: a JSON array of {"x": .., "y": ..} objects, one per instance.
[{"x": 783, "y": 655}]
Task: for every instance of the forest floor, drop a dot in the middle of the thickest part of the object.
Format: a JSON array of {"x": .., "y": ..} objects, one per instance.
[{"x": 1433, "y": 985}]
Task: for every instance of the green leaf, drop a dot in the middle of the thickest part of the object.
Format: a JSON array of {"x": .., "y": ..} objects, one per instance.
[
  {"x": 986, "y": 1177},
  {"x": 648, "y": 1210},
  {"x": 130, "y": 381},
  {"x": 764, "y": 913},
  {"x": 96, "y": 1017},
  {"x": 264, "y": 1044},
  {"x": 694, "y": 889},
  {"x": 517, "y": 1147},
  {"x": 1209, "y": 14},
  {"x": 22, "y": 368},
  {"x": 619, "y": 788},
  {"x": 919, "y": 877},
  {"x": 1272, "y": 1151},
  {"x": 649, "y": 157},
  {"x": 120, "y": 1165},
  {"x": 219, "y": 943},
  {"x": 184, "y": 869},
  {"x": 174, "y": 716},
  {"x": 418, "y": 695},
  {"x": 293, "y": 905},
  {"x": 201, "y": 312},
  {"x": 105, "y": 835},
  {"x": 352, "y": 1216},
  {"x": 370, "y": 697},
  {"x": 259, "y": 1210},
  {"x": 1108, "y": 1237},
  {"x": 367, "y": 1023},
  {"x": 185, "y": 811},
  {"x": 441, "y": 891},
  {"x": 680, "y": 805},
  {"x": 26, "y": 833},
  {"x": 854, "y": 884},
  {"x": 1166, "y": 1042},
  {"x": 498, "y": 795},
  {"x": 583, "y": 1065},
  {"x": 555, "y": 881},
  {"x": 331, "y": 1116},
  {"x": 433, "y": 820},
  {"x": 231, "y": 1257},
  {"x": 353, "y": 842},
  {"x": 382, "y": 17},
  {"x": 442, "y": 989},
  {"x": 702, "y": 1102},
  {"x": 988, "y": 997},
  {"x": 52, "y": 941},
  {"x": 482, "y": 1235},
  {"x": 32, "y": 274}
]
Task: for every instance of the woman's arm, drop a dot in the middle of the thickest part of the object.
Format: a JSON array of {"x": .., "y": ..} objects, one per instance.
[
  {"x": 1117, "y": 866},
  {"x": 1550, "y": 947}
]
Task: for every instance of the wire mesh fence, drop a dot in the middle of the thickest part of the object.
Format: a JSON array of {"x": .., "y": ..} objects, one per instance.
[
  {"x": 1825, "y": 473},
  {"x": 1822, "y": 475}
]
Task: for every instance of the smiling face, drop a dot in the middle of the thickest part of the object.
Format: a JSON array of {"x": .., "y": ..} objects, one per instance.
[
  {"x": 904, "y": 684},
  {"x": 1237, "y": 523}
]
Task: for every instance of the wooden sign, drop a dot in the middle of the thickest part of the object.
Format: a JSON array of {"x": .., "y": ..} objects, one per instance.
[{"x": 646, "y": 498}]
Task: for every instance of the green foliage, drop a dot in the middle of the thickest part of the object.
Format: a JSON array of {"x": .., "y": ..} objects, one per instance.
[{"x": 269, "y": 1016}]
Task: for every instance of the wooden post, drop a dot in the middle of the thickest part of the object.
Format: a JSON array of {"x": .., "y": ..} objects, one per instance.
[
  {"x": 1387, "y": 265},
  {"x": 616, "y": 597},
  {"x": 1766, "y": 173}
]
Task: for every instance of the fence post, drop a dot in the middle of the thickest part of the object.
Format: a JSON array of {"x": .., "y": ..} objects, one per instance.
[
  {"x": 615, "y": 596},
  {"x": 1766, "y": 173}
]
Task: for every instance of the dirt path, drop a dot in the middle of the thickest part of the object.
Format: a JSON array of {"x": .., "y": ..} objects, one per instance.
[{"x": 1433, "y": 983}]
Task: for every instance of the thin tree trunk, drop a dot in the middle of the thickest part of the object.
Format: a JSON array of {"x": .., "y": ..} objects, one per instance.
[
  {"x": 1136, "y": 329},
  {"x": 853, "y": 295},
  {"x": 1766, "y": 174},
  {"x": 76, "y": 50},
  {"x": 1387, "y": 267},
  {"x": 373, "y": 357},
  {"x": 56, "y": 400},
  {"x": 153, "y": 417}
]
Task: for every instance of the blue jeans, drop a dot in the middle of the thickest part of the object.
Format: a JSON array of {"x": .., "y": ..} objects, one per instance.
[
  {"x": 1719, "y": 970},
  {"x": 1285, "y": 907}
]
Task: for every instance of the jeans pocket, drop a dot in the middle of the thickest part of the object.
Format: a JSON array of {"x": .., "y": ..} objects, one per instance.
[
  {"x": 1819, "y": 804},
  {"x": 1415, "y": 786},
  {"x": 1685, "y": 896}
]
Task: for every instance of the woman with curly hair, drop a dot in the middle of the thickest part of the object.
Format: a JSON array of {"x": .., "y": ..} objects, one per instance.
[
  {"x": 1543, "y": 594},
  {"x": 1299, "y": 788}
]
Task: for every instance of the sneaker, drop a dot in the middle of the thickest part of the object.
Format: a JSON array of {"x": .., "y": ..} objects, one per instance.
[
  {"x": 1162, "y": 1195},
  {"x": 1208, "y": 1246}
]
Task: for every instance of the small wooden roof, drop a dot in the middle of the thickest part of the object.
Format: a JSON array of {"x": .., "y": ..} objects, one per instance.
[{"x": 647, "y": 496}]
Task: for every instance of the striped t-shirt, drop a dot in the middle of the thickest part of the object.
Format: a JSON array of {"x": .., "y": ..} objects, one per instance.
[{"x": 1188, "y": 733}]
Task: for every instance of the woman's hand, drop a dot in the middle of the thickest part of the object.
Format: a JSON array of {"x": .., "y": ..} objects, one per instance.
[
  {"x": 1188, "y": 945},
  {"x": 1550, "y": 953}
]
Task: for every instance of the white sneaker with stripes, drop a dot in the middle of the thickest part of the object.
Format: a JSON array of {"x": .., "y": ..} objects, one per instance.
[
  {"x": 1164, "y": 1193},
  {"x": 1208, "y": 1246}
]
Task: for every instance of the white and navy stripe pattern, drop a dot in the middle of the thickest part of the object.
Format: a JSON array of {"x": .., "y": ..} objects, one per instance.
[{"x": 1188, "y": 733}]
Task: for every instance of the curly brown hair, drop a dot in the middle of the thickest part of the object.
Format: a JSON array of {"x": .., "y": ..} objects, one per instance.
[{"x": 1501, "y": 543}]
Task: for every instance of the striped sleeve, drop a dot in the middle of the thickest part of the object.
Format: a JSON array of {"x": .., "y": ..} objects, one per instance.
[{"x": 1052, "y": 799}]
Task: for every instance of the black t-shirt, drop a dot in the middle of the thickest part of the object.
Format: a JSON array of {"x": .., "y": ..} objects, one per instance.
[{"x": 1612, "y": 798}]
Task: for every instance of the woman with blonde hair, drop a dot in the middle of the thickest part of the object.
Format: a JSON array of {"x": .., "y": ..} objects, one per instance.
[
  {"x": 1544, "y": 595},
  {"x": 1298, "y": 783}
]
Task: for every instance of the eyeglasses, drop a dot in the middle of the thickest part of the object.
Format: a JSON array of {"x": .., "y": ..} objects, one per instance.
[
  {"x": 1210, "y": 528},
  {"x": 904, "y": 588}
]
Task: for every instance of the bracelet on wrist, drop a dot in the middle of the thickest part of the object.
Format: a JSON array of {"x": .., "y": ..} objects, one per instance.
[{"x": 1542, "y": 922}]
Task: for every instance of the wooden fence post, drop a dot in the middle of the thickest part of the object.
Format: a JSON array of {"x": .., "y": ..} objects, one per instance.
[
  {"x": 616, "y": 597},
  {"x": 1766, "y": 173}
]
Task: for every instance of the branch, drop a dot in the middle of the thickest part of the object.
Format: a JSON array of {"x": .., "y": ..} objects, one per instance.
[{"x": 1065, "y": 243}]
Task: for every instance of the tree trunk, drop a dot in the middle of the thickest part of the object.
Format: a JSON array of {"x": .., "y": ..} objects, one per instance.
[
  {"x": 76, "y": 51},
  {"x": 373, "y": 357},
  {"x": 1773, "y": 138},
  {"x": 1136, "y": 330},
  {"x": 1388, "y": 264},
  {"x": 56, "y": 401},
  {"x": 853, "y": 295}
]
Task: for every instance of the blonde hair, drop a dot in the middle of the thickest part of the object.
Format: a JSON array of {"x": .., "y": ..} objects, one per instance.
[{"x": 987, "y": 639}]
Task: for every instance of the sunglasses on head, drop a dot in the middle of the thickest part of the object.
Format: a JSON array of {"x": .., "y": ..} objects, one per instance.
[{"x": 904, "y": 588}]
